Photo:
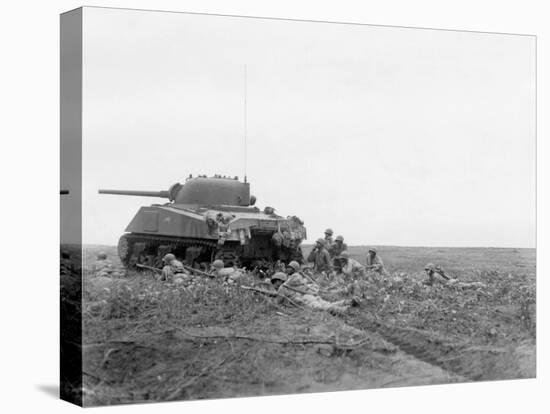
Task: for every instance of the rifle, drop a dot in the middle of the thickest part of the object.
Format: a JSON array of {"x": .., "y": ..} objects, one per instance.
[
  {"x": 272, "y": 294},
  {"x": 154, "y": 269},
  {"x": 197, "y": 271},
  {"x": 441, "y": 272},
  {"x": 305, "y": 272},
  {"x": 301, "y": 292},
  {"x": 262, "y": 291}
]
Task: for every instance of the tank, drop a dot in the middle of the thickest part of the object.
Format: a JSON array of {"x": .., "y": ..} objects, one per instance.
[{"x": 205, "y": 219}]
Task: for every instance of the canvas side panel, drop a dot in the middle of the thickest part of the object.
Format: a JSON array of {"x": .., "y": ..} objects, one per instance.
[{"x": 71, "y": 206}]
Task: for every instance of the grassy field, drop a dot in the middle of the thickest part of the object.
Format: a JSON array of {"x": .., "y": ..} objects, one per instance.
[
  {"x": 459, "y": 261},
  {"x": 150, "y": 341}
]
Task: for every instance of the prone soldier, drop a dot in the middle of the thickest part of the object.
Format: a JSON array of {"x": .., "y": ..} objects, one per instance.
[
  {"x": 298, "y": 288},
  {"x": 172, "y": 269},
  {"x": 226, "y": 273},
  {"x": 431, "y": 270},
  {"x": 103, "y": 266},
  {"x": 278, "y": 279}
]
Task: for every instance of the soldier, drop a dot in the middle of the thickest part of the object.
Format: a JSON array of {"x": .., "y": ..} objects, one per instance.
[
  {"x": 103, "y": 266},
  {"x": 320, "y": 257},
  {"x": 172, "y": 269},
  {"x": 374, "y": 262},
  {"x": 303, "y": 291},
  {"x": 337, "y": 247},
  {"x": 225, "y": 273},
  {"x": 328, "y": 238},
  {"x": 277, "y": 242},
  {"x": 278, "y": 279},
  {"x": 292, "y": 268},
  {"x": 431, "y": 270},
  {"x": 350, "y": 267},
  {"x": 224, "y": 231},
  {"x": 297, "y": 254}
]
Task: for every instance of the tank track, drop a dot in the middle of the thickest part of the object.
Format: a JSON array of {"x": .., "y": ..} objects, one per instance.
[
  {"x": 473, "y": 363},
  {"x": 145, "y": 249},
  {"x": 148, "y": 249}
]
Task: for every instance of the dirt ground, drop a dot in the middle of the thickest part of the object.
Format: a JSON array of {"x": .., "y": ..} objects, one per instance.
[{"x": 145, "y": 340}]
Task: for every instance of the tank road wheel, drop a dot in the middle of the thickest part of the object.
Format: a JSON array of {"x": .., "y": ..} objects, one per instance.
[{"x": 124, "y": 250}]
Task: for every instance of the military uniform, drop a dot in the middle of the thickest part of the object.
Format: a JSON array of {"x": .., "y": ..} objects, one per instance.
[
  {"x": 353, "y": 268},
  {"x": 375, "y": 263},
  {"x": 321, "y": 259},
  {"x": 171, "y": 270},
  {"x": 225, "y": 273},
  {"x": 300, "y": 289},
  {"x": 103, "y": 267},
  {"x": 432, "y": 270},
  {"x": 228, "y": 273},
  {"x": 297, "y": 255},
  {"x": 337, "y": 248},
  {"x": 328, "y": 238}
]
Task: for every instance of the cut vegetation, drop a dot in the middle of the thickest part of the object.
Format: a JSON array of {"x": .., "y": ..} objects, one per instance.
[{"x": 151, "y": 341}]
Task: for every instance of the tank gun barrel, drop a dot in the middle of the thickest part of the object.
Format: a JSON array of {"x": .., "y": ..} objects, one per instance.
[{"x": 161, "y": 194}]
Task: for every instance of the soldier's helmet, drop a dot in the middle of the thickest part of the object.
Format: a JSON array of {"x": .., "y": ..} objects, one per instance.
[
  {"x": 218, "y": 264},
  {"x": 329, "y": 232},
  {"x": 339, "y": 238},
  {"x": 373, "y": 249},
  {"x": 101, "y": 256},
  {"x": 168, "y": 258},
  {"x": 343, "y": 255},
  {"x": 321, "y": 241},
  {"x": 280, "y": 276},
  {"x": 429, "y": 266},
  {"x": 294, "y": 265}
]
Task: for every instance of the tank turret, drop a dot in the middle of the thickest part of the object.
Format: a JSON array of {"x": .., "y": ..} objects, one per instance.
[
  {"x": 199, "y": 191},
  {"x": 208, "y": 218}
]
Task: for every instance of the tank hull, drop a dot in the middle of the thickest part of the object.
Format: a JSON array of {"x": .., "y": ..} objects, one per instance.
[{"x": 242, "y": 236}]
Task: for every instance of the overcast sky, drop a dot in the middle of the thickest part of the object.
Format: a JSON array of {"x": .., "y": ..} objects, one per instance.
[{"x": 390, "y": 136}]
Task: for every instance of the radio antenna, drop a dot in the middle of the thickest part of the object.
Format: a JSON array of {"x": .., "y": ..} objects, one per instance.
[{"x": 245, "y": 119}]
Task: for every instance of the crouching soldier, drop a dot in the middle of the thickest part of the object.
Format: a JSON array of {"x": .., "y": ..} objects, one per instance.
[
  {"x": 350, "y": 268},
  {"x": 228, "y": 274},
  {"x": 374, "y": 262},
  {"x": 431, "y": 270},
  {"x": 172, "y": 270}
]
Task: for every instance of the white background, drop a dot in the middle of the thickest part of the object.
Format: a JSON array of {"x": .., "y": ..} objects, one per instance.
[
  {"x": 389, "y": 136},
  {"x": 29, "y": 88}
]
